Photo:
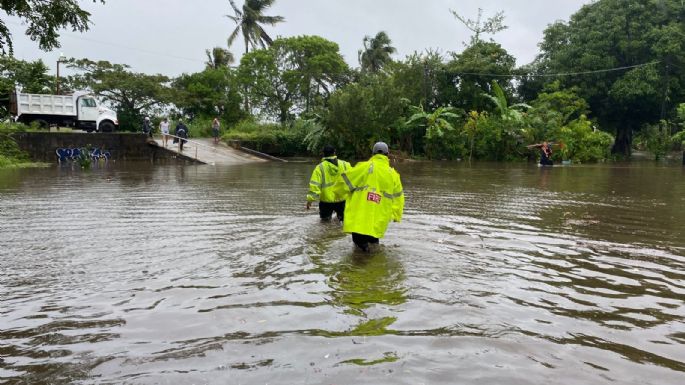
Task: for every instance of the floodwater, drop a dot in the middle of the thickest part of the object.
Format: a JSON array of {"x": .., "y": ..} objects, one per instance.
[{"x": 498, "y": 274}]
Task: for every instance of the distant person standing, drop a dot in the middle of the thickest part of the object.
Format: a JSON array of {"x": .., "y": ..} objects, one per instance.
[
  {"x": 321, "y": 184},
  {"x": 216, "y": 126},
  {"x": 374, "y": 197},
  {"x": 182, "y": 133},
  {"x": 164, "y": 128},
  {"x": 147, "y": 127}
]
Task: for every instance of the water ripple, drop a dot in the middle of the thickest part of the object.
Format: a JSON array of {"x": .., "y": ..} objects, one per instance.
[{"x": 148, "y": 274}]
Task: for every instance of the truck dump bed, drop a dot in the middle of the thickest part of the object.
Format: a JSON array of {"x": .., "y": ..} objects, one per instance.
[{"x": 44, "y": 104}]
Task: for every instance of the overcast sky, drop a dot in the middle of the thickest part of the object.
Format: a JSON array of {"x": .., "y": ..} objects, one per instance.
[{"x": 170, "y": 36}]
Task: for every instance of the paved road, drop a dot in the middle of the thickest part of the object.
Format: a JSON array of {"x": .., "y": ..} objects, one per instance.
[{"x": 205, "y": 150}]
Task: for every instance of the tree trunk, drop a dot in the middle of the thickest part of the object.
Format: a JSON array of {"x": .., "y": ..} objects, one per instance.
[
  {"x": 283, "y": 115},
  {"x": 624, "y": 140}
]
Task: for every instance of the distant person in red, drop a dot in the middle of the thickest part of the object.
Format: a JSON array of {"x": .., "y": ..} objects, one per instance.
[{"x": 545, "y": 153}]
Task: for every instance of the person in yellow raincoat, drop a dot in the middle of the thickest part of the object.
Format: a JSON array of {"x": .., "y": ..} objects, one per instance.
[
  {"x": 374, "y": 197},
  {"x": 321, "y": 184}
]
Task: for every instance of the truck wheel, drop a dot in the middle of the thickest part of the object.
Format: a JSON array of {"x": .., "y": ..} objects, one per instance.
[{"x": 106, "y": 127}]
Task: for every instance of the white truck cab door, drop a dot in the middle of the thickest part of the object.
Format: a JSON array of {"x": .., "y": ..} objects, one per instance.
[{"x": 87, "y": 109}]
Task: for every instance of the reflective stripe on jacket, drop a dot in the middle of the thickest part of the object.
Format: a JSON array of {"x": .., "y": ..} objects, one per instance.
[
  {"x": 374, "y": 196},
  {"x": 324, "y": 177}
]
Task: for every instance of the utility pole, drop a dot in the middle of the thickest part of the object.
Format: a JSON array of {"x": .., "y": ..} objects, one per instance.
[{"x": 61, "y": 59}]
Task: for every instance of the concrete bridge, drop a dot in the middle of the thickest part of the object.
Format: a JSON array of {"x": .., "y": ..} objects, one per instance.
[
  {"x": 204, "y": 150},
  {"x": 42, "y": 146}
]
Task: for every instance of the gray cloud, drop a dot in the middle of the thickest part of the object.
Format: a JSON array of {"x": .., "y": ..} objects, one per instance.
[{"x": 170, "y": 36}]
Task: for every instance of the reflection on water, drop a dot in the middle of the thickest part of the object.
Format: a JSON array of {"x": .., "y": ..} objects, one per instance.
[{"x": 141, "y": 273}]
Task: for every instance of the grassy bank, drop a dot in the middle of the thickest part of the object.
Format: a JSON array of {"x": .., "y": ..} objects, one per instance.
[{"x": 11, "y": 156}]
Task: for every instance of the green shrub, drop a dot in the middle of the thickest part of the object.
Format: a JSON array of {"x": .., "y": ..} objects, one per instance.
[
  {"x": 10, "y": 149},
  {"x": 678, "y": 141},
  {"x": 270, "y": 138},
  {"x": 489, "y": 137},
  {"x": 315, "y": 134},
  {"x": 201, "y": 127},
  {"x": 360, "y": 114},
  {"x": 9, "y": 127},
  {"x": 581, "y": 143},
  {"x": 10, "y": 153},
  {"x": 6, "y": 162},
  {"x": 452, "y": 145},
  {"x": 654, "y": 138}
]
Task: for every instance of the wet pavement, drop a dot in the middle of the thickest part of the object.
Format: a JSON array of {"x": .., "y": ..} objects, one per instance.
[{"x": 208, "y": 152}]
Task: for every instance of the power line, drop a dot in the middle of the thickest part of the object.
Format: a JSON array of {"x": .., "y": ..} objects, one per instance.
[
  {"x": 133, "y": 48},
  {"x": 79, "y": 37},
  {"x": 559, "y": 74}
]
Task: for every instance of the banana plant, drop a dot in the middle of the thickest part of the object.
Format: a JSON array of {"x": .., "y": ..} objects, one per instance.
[
  {"x": 506, "y": 112},
  {"x": 435, "y": 123}
]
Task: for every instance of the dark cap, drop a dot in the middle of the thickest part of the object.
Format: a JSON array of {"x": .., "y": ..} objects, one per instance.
[
  {"x": 328, "y": 150},
  {"x": 380, "y": 148}
]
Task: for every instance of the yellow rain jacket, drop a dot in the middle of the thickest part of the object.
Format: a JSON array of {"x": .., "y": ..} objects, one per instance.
[
  {"x": 324, "y": 177},
  {"x": 373, "y": 191}
]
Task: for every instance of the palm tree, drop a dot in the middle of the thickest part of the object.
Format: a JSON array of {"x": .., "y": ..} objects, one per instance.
[
  {"x": 249, "y": 21},
  {"x": 376, "y": 53},
  {"x": 219, "y": 57}
]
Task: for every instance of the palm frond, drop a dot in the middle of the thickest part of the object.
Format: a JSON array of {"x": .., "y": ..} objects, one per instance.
[
  {"x": 233, "y": 35},
  {"x": 235, "y": 9},
  {"x": 264, "y": 37},
  {"x": 210, "y": 59},
  {"x": 271, "y": 20}
]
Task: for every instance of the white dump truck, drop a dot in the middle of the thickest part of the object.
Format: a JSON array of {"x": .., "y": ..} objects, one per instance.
[{"x": 79, "y": 110}]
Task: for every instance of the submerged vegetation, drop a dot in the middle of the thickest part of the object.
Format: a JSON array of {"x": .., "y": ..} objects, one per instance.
[{"x": 609, "y": 80}]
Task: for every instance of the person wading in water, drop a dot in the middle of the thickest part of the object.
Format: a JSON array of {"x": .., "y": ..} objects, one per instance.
[
  {"x": 324, "y": 177},
  {"x": 374, "y": 197},
  {"x": 545, "y": 153}
]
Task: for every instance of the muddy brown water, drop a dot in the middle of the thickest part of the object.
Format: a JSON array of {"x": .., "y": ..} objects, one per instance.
[{"x": 142, "y": 274}]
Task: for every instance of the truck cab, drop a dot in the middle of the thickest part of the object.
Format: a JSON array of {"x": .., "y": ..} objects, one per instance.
[{"x": 91, "y": 116}]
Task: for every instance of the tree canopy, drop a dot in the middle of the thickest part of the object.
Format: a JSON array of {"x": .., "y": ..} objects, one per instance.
[
  {"x": 132, "y": 94},
  {"x": 615, "y": 69},
  {"x": 473, "y": 71},
  {"x": 31, "y": 77},
  {"x": 43, "y": 19},
  {"x": 645, "y": 40},
  {"x": 212, "y": 92},
  {"x": 292, "y": 75}
]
